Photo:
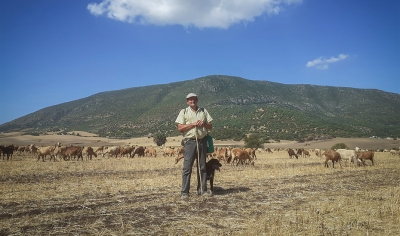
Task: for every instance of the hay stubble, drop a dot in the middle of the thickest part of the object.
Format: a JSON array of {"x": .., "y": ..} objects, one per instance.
[{"x": 140, "y": 196}]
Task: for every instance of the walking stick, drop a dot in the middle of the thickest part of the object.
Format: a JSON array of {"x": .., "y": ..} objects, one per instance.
[{"x": 198, "y": 163}]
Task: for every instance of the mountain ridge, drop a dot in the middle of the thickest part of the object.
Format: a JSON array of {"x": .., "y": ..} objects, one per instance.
[{"x": 238, "y": 106}]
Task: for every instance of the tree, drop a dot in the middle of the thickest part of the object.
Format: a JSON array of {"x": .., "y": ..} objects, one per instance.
[
  {"x": 159, "y": 139},
  {"x": 339, "y": 146},
  {"x": 253, "y": 141}
]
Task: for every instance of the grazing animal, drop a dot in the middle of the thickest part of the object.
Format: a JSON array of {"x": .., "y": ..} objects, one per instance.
[
  {"x": 369, "y": 155},
  {"x": 333, "y": 156},
  {"x": 318, "y": 152},
  {"x": 180, "y": 154},
  {"x": 178, "y": 158},
  {"x": 7, "y": 150},
  {"x": 27, "y": 149},
  {"x": 291, "y": 153},
  {"x": 306, "y": 153},
  {"x": 73, "y": 151},
  {"x": 99, "y": 149},
  {"x": 89, "y": 152},
  {"x": 112, "y": 151},
  {"x": 214, "y": 154},
  {"x": 169, "y": 151},
  {"x": 59, "y": 151},
  {"x": 180, "y": 150},
  {"x": 139, "y": 151},
  {"x": 33, "y": 149},
  {"x": 300, "y": 152},
  {"x": 126, "y": 151},
  {"x": 222, "y": 154},
  {"x": 150, "y": 151},
  {"x": 211, "y": 166},
  {"x": 348, "y": 155},
  {"x": 20, "y": 149},
  {"x": 268, "y": 150},
  {"x": 44, "y": 151},
  {"x": 252, "y": 153},
  {"x": 242, "y": 156}
]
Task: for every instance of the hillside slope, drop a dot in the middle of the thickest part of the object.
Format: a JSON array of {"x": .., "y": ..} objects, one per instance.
[{"x": 238, "y": 106}]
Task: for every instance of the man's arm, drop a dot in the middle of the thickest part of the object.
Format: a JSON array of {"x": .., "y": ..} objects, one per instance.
[
  {"x": 186, "y": 127},
  {"x": 199, "y": 123}
]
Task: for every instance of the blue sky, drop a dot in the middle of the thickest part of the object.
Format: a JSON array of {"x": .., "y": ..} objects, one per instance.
[{"x": 56, "y": 51}]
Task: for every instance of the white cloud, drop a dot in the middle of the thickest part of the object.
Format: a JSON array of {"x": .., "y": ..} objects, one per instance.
[
  {"x": 322, "y": 63},
  {"x": 197, "y": 13}
]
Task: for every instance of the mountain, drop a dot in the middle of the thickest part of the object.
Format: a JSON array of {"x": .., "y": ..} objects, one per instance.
[{"x": 238, "y": 107}]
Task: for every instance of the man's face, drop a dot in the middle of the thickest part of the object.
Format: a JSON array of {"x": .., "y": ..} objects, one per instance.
[{"x": 192, "y": 101}]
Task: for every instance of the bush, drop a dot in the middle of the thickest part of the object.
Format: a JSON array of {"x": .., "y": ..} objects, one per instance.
[
  {"x": 339, "y": 146},
  {"x": 160, "y": 139},
  {"x": 33, "y": 133},
  {"x": 310, "y": 138},
  {"x": 302, "y": 140},
  {"x": 228, "y": 133},
  {"x": 253, "y": 141}
]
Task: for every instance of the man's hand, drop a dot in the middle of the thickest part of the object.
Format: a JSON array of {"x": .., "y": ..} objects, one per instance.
[{"x": 200, "y": 123}]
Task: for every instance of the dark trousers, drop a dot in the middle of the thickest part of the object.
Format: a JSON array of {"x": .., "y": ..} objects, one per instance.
[{"x": 190, "y": 156}]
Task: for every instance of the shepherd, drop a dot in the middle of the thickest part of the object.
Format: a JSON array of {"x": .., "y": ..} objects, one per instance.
[{"x": 194, "y": 122}]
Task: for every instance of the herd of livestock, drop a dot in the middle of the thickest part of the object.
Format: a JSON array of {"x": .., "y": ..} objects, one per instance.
[
  {"x": 227, "y": 154},
  {"x": 248, "y": 155}
]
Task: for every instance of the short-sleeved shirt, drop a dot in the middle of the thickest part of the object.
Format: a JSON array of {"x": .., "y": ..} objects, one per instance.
[{"x": 188, "y": 116}]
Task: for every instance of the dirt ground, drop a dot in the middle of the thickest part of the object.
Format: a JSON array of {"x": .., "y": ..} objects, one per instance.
[
  {"x": 141, "y": 196},
  {"x": 85, "y": 139}
]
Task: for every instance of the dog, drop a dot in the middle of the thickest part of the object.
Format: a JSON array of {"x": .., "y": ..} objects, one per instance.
[{"x": 211, "y": 166}]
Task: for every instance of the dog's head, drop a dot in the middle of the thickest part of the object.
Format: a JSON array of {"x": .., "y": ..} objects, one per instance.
[{"x": 215, "y": 164}]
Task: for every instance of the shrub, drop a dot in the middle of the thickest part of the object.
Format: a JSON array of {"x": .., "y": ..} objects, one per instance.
[
  {"x": 253, "y": 141},
  {"x": 159, "y": 139},
  {"x": 339, "y": 146}
]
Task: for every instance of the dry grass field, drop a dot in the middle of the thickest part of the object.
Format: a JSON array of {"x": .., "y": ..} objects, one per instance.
[{"x": 141, "y": 196}]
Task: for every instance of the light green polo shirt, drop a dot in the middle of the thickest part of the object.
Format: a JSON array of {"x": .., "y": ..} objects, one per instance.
[{"x": 188, "y": 116}]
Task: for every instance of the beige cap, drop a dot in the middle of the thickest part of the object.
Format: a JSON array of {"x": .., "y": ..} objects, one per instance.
[{"x": 191, "y": 95}]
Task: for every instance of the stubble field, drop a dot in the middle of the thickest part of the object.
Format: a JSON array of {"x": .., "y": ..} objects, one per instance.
[{"x": 140, "y": 196}]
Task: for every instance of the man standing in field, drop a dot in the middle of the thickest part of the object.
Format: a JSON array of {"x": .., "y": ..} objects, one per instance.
[{"x": 194, "y": 122}]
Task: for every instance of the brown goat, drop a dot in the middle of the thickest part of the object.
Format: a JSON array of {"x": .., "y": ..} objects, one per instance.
[
  {"x": 299, "y": 152},
  {"x": 126, "y": 151},
  {"x": 242, "y": 156},
  {"x": 366, "y": 156},
  {"x": 7, "y": 150},
  {"x": 88, "y": 150},
  {"x": 306, "y": 153},
  {"x": 139, "y": 151},
  {"x": 222, "y": 154},
  {"x": 333, "y": 156},
  {"x": 291, "y": 153},
  {"x": 72, "y": 151}
]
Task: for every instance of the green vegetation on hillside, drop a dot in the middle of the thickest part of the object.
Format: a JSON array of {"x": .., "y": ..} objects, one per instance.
[{"x": 239, "y": 107}]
